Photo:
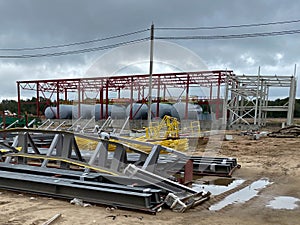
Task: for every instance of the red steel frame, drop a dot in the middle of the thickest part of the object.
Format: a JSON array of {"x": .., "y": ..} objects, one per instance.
[{"x": 183, "y": 80}]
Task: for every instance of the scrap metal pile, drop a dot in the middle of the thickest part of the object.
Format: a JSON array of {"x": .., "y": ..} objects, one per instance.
[
  {"x": 126, "y": 177},
  {"x": 286, "y": 132}
]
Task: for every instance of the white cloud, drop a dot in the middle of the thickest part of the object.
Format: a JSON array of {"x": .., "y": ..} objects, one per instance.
[
  {"x": 248, "y": 59},
  {"x": 278, "y": 56},
  {"x": 11, "y": 72},
  {"x": 43, "y": 23}
]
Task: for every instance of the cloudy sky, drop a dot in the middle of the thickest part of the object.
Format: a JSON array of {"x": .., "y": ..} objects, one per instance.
[{"x": 43, "y": 23}]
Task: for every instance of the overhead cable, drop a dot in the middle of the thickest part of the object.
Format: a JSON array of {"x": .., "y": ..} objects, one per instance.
[
  {"x": 230, "y": 36},
  {"x": 74, "y": 51},
  {"x": 230, "y": 26},
  {"x": 75, "y": 43}
]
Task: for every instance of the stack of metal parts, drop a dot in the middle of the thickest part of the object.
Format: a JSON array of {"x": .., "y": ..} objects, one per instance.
[
  {"x": 102, "y": 177},
  {"x": 286, "y": 132}
]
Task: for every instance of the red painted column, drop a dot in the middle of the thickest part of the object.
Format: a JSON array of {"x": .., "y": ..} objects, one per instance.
[
  {"x": 131, "y": 99},
  {"x": 38, "y": 99},
  {"x": 107, "y": 100},
  {"x": 19, "y": 99},
  {"x": 101, "y": 101},
  {"x": 66, "y": 94},
  {"x": 187, "y": 97},
  {"x": 79, "y": 99},
  {"x": 57, "y": 99}
]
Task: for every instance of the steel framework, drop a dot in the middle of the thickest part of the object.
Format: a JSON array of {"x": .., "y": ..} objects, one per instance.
[
  {"x": 246, "y": 96},
  {"x": 138, "y": 180},
  {"x": 49, "y": 89}
]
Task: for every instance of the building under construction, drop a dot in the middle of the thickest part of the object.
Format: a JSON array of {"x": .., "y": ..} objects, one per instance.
[{"x": 230, "y": 98}]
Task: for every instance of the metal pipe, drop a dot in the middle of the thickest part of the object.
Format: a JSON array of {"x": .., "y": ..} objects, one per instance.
[
  {"x": 123, "y": 127},
  {"x": 52, "y": 219},
  {"x": 12, "y": 124},
  {"x": 59, "y": 126},
  {"x": 85, "y": 126},
  {"x": 44, "y": 123},
  {"x": 31, "y": 122},
  {"x": 71, "y": 127}
]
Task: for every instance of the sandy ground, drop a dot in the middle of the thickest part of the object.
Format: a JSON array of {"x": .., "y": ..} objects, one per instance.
[{"x": 275, "y": 159}]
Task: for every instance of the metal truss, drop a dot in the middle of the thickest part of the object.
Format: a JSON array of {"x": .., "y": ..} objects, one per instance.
[
  {"x": 246, "y": 98},
  {"x": 125, "y": 177},
  {"x": 61, "y": 88}
]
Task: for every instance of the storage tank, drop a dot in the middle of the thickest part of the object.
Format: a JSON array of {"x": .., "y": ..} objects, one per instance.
[
  {"x": 97, "y": 111},
  {"x": 114, "y": 111},
  {"x": 65, "y": 112},
  {"x": 139, "y": 111},
  {"x": 118, "y": 112},
  {"x": 86, "y": 111},
  {"x": 194, "y": 111},
  {"x": 164, "y": 109}
]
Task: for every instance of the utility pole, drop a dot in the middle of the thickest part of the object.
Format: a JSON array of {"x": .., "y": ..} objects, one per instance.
[{"x": 150, "y": 74}]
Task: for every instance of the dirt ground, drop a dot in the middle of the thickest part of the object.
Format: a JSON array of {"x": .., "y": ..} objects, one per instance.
[{"x": 275, "y": 159}]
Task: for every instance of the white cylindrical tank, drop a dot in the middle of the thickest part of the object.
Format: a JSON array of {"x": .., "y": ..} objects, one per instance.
[
  {"x": 98, "y": 109},
  {"x": 86, "y": 111},
  {"x": 193, "y": 110},
  {"x": 114, "y": 111},
  {"x": 139, "y": 111},
  {"x": 51, "y": 112},
  {"x": 118, "y": 112},
  {"x": 65, "y": 112},
  {"x": 164, "y": 109}
]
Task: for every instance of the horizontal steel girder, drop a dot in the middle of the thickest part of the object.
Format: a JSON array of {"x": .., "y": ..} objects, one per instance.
[{"x": 124, "y": 196}]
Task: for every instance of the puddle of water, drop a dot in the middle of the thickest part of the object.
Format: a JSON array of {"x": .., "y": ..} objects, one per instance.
[
  {"x": 242, "y": 195},
  {"x": 221, "y": 181},
  {"x": 218, "y": 186},
  {"x": 283, "y": 202}
]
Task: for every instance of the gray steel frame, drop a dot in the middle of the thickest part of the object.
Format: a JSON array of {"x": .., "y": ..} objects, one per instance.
[
  {"x": 246, "y": 95},
  {"x": 145, "y": 199},
  {"x": 150, "y": 171},
  {"x": 64, "y": 150}
]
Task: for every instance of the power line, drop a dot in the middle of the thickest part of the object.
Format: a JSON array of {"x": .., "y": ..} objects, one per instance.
[
  {"x": 230, "y": 26},
  {"x": 74, "y": 51},
  {"x": 187, "y": 37},
  {"x": 230, "y": 36},
  {"x": 75, "y": 43}
]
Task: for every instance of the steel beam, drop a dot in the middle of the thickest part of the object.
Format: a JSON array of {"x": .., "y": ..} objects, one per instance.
[
  {"x": 124, "y": 196},
  {"x": 116, "y": 83}
]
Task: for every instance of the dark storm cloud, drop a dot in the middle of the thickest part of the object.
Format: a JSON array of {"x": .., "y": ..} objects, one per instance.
[{"x": 35, "y": 23}]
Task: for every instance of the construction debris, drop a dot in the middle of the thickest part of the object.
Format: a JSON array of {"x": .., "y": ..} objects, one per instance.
[
  {"x": 52, "y": 219},
  {"x": 126, "y": 177},
  {"x": 228, "y": 137},
  {"x": 254, "y": 134},
  {"x": 287, "y": 132}
]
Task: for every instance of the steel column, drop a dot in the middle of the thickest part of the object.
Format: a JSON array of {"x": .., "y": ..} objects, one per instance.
[
  {"x": 292, "y": 96},
  {"x": 57, "y": 100},
  {"x": 218, "y": 97},
  {"x": 19, "y": 99},
  {"x": 38, "y": 99},
  {"x": 131, "y": 99},
  {"x": 101, "y": 101},
  {"x": 187, "y": 97},
  {"x": 158, "y": 97},
  {"x": 79, "y": 100}
]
